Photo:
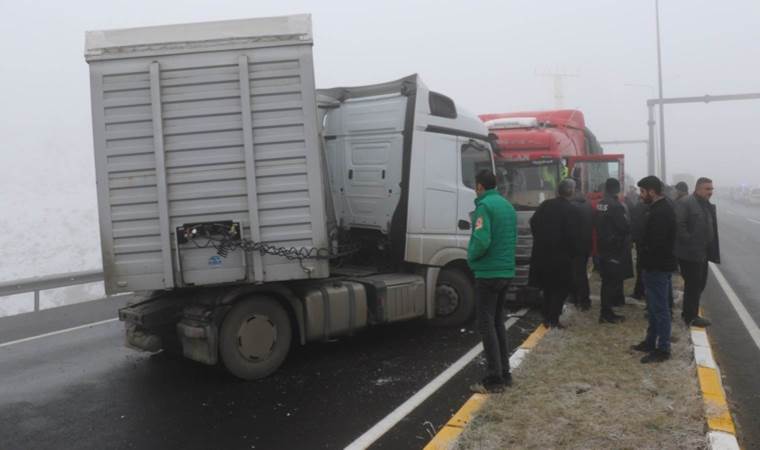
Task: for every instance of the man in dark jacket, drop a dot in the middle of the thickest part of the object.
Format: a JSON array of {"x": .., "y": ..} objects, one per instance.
[
  {"x": 682, "y": 190},
  {"x": 580, "y": 290},
  {"x": 658, "y": 262},
  {"x": 555, "y": 243},
  {"x": 491, "y": 257},
  {"x": 696, "y": 246},
  {"x": 638, "y": 215},
  {"x": 613, "y": 232}
]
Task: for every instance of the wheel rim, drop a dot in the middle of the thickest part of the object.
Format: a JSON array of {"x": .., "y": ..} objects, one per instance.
[
  {"x": 257, "y": 337},
  {"x": 446, "y": 300}
]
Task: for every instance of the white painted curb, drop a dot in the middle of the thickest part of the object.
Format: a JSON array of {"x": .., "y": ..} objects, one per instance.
[{"x": 717, "y": 440}]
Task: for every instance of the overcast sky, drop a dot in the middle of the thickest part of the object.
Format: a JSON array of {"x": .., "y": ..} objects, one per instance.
[{"x": 486, "y": 55}]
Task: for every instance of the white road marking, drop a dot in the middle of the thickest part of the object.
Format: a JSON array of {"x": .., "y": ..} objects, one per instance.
[
  {"x": 403, "y": 410},
  {"x": 753, "y": 220},
  {"x": 54, "y": 333},
  {"x": 731, "y": 211},
  {"x": 744, "y": 315}
]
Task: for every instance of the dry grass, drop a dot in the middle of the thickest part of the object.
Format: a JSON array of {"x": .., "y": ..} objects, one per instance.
[{"x": 583, "y": 388}]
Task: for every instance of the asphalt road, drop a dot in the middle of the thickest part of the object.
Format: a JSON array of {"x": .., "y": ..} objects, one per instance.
[
  {"x": 85, "y": 390},
  {"x": 736, "y": 353}
]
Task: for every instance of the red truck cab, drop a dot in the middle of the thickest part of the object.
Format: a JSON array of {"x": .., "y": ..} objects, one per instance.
[{"x": 534, "y": 150}]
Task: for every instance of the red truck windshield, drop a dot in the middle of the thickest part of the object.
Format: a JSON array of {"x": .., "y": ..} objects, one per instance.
[{"x": 527, "y": 183}]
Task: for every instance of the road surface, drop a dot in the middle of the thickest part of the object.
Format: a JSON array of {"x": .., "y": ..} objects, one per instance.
[{"x": 83, "y": 389}]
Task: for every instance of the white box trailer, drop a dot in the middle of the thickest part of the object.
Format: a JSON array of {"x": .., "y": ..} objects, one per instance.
[
  {"x": 215, "y": 129},
  {"x": 202, "y": 123}
]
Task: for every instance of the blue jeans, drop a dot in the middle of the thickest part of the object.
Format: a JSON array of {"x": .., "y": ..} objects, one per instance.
[{"x": 657, "y": 285}]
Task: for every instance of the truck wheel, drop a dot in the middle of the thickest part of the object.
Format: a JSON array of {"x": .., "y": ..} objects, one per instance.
[
  {"x": 454, "y": 298},
  {"x": 255, "y": 338}
]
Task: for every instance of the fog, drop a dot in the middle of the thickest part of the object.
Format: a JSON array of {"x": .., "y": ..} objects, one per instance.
[{"x": 488, "y": 56}]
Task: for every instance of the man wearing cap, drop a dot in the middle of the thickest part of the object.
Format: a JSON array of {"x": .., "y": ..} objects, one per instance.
[{"x": 658, "y": 262}]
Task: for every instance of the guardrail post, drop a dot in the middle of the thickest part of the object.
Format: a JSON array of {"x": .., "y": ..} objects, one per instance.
[{"x": 36, "y": 301}]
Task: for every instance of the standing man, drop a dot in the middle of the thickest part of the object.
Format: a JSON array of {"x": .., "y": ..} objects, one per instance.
[
  {"x": 638, "y": 215},
  {"x": 580, "y": 294},
  {"x": 682, "y": 190},
  {"x": 696, "y": 246},
  {"x": 491, "y": 257},
  {"x": 613, "y": 233},
  {"x": 555, "y": 243},
  {"x": 658, "y": 262}
]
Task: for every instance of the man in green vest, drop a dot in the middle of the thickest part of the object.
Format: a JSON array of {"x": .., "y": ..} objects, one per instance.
[{"x": 491, "y": 257}]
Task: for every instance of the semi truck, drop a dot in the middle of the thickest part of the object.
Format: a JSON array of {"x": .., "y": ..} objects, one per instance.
[
  {"x": 254, "y": 212},
  {"x": 534, "y": 151}
]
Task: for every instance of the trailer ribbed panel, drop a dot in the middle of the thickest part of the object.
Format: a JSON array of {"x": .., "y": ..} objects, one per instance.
[{"x": 215, "y": 104}]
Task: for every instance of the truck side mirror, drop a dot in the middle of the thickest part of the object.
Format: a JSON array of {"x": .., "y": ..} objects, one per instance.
[{"x": 464, "y": 225}]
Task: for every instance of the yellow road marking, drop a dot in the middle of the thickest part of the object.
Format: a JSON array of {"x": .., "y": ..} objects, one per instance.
[
  {"x": 534, "y": 337},
  {"x": 716, "y": 407},
  {"x": 445, "y": 438}
]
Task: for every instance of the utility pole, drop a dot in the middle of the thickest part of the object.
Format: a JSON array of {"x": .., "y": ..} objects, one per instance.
[
  {"x": 663, "y": 167},
  {"x": 558, "y": 77}
]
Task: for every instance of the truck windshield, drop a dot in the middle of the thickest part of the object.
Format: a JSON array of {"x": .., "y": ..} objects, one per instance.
[{"x": 526, "y": 184}]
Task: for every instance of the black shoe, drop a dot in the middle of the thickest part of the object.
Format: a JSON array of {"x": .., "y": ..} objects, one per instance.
[
  {"x": 489, "y": 385},
  {"x": 700, "y": 322},
  {"x": 655, "y": 356},
  {"x": 611, "y": 318},
  {"x": 643, "y": 347},
  {"x": 507, "y": 377}
]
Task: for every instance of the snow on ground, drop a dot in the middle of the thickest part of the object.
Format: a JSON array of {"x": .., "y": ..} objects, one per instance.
[{"x": 49, "y": 226}]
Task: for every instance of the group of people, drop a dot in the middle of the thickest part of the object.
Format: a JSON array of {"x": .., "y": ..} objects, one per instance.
[{"x": 669, "y": 233}]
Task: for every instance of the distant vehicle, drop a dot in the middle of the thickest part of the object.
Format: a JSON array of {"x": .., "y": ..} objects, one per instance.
[
  {"x": 534, "y": 151},
  {"x": 260, "y": 211},
  {"x": 754, "y": 197}
]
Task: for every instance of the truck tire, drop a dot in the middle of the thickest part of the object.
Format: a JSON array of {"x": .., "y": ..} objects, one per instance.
[
  {"x": 454, "y": 298},
  {"x": 255, "y": 338}
]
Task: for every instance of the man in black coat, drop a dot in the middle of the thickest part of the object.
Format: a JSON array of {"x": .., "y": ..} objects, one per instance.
[
  {"x": 696, "y": 246},
  {"x": 613, "y": 233},
  {"x": 580, "y": 289},
  {"x": 638, "y": 215},
  {"x": 554, "y": 226},
  {"x": 658, "y": 262}
]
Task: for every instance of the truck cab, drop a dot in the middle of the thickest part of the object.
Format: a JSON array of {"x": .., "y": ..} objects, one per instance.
[{"x": 535, "y": 150}]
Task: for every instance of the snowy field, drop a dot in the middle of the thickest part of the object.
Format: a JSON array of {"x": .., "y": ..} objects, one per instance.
[{"x": 49, "y": 226}]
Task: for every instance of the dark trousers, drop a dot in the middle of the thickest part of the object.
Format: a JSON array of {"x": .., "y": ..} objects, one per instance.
[
  {"x": 695, "y": 278},
  {"x": 490, "y": 322},
  {"x": 612, "y": 284},
  {"x": 611, "y": 293},
  {"x": 580, "y": 292},
  {"x": 657, "y": 285},
  {"x": 638, "y": 288},
  {"x": 554, "y": 300}
]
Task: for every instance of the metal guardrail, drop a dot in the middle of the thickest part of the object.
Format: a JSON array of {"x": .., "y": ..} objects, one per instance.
[{"x": 38, "y": 284}]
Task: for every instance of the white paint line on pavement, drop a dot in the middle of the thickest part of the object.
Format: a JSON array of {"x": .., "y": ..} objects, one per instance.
[
  {"x": 731, "y": 211},
  {"x": 403, "y": 410},
  {"x": 54, "y": 333},
  {"x": 744, "y": 315},
  {"x": 753, "y": 220},
  {"x": 722, "y": 441}
]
